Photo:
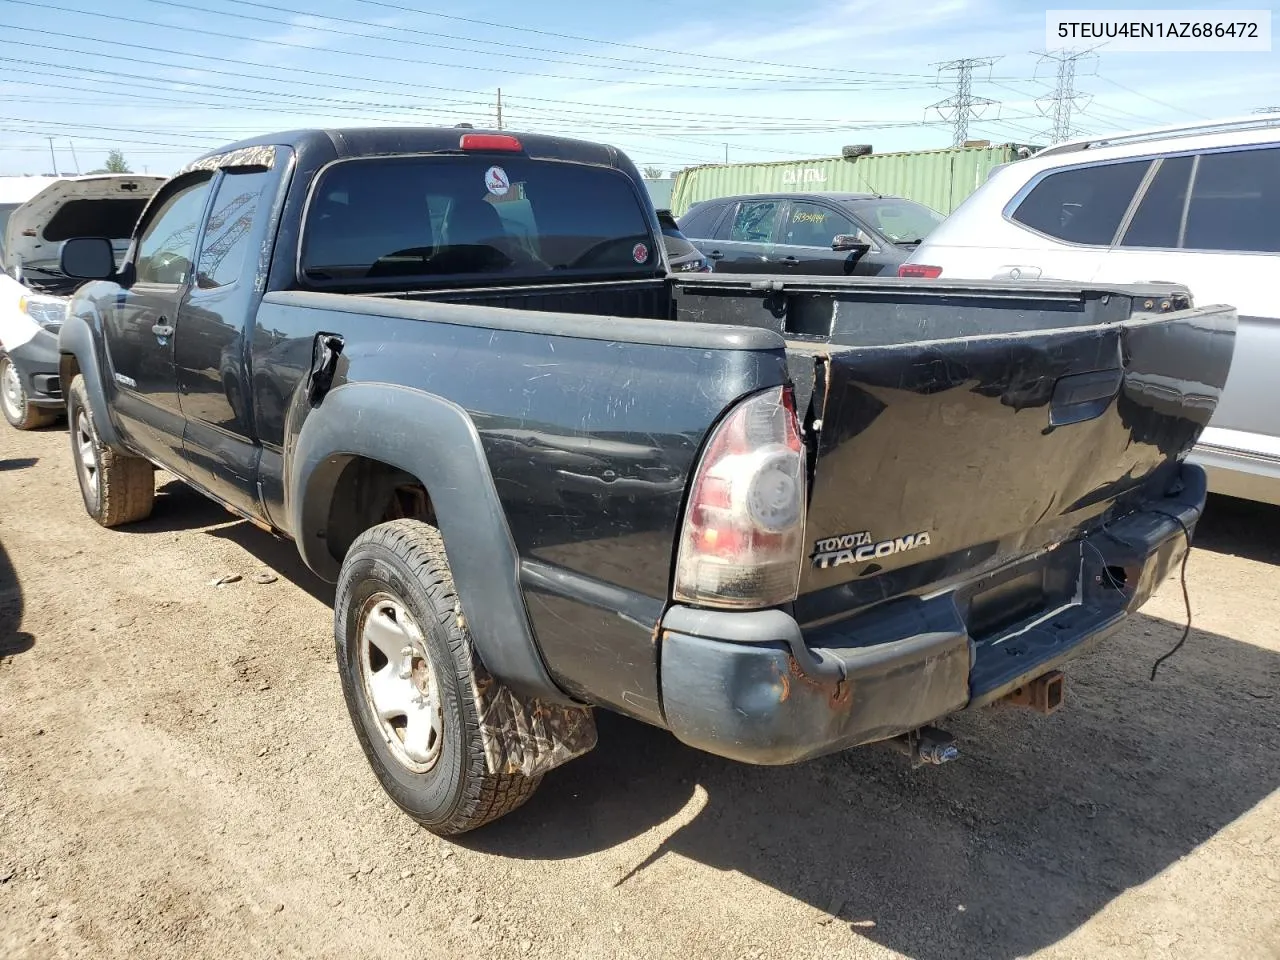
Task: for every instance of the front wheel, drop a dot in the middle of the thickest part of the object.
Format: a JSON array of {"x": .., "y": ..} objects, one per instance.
[
  {"x": 404, "y": 656},
  {"x": 116, "y": 487},
  {"x": 18, "y": 410}
]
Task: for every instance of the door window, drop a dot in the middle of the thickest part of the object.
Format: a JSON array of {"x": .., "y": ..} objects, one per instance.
[
  {"x": 1158, "y": 220},
  {"x": 1235, "y": 202},
  {"x": 813, "y": 225},
  {"x": 754, "y": 221},
  {"x": 1084, "y": 205},
  {"x": 228, "y": 235},
  {"x": 168, "y": 242}
]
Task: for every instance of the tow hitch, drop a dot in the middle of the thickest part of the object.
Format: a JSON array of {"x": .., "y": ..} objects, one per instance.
[
  {"x": 926, "y": 745},
  {"x": 1045, "y": 694}
]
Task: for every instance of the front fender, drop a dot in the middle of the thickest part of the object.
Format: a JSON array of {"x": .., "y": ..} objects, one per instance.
[
  {"x": 435, "y": 441},
  {"x": 76, "y": 338}
]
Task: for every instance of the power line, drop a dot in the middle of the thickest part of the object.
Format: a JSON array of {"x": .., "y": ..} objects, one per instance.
[
  {"x": 962, "y": 106},
  {"x": 481, "y": 97},
  {"x": 647, "y": 65},
  {"x": 1064, "y": 97},
  {"x": 417, "y": 61},
  {"x": 1160, "y": 103}
]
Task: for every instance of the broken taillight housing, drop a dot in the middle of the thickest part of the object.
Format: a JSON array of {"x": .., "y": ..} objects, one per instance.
[{"x": 743, "y": 537}]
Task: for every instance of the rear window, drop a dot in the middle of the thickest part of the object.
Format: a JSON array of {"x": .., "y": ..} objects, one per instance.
[
  {"x": 114, "y": 218},
  {"x": 1084, "y": 205},
  {"x": 1235, "y": 202},
  {"x": 440, "y": 217},
  {"x": 701, "y": 220},
  {"x": 901, "y": 221}
]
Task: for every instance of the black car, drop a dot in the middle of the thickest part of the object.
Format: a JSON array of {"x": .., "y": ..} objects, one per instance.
[
  {"x": 815, "y": 233},
  {"x": 682, "y": 255}
]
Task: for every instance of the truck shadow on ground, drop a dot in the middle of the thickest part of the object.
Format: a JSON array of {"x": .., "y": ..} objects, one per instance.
[
  {"x": 1040, "y": 824},
  {"x": 1240, "y": 528},
  {"x": 12, "y": 640}
]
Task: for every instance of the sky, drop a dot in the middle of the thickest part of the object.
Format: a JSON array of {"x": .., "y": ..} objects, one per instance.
[{"x": 673, "y": 84}]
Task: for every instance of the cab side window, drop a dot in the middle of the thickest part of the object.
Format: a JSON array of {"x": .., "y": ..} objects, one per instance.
[
  {"x": 230, "y": 228},
  {"x": 1084, "y": 205},
  {"x": 167, "y": 246},
  {"x": 1235, "y": 202}
]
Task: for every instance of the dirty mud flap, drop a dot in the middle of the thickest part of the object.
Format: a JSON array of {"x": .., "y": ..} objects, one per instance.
[{"x": 526, "y": 735}]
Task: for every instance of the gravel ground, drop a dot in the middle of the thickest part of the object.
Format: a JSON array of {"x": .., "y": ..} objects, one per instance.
[{"x": 178, "y": 778}]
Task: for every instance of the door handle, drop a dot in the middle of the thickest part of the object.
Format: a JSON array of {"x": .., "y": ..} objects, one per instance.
[
  {"x": 790, "y": 259},
  {"x": 162, "y": 329},
  {"x": 716, "y": 255}
]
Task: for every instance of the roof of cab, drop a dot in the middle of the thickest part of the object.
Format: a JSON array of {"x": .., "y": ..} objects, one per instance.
[{"x": 351, "y": 142}]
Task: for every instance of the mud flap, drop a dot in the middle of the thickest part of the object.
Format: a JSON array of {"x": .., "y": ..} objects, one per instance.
[{"x": 525, "y": 735}]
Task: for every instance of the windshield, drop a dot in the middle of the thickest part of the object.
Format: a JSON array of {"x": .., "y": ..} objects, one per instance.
[
  {"x": 449, "y": 216},
  {"x": 900, "y": 221}
]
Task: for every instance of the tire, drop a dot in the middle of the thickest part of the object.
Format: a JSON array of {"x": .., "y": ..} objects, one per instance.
[
  {"x": 395, "y": 587},
  {"x": 18, "y": 410},
  {"x": 117, "y": 488}
]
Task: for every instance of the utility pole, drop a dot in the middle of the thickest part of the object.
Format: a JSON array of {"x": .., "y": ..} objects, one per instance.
[
  {"x": 726, "y": 153},
  {"x": 1059, "y": 105},
  {"x": 499, "y": 108},
  {"x": 72, "y": 144},
  {"x": 962, "y": 106},
  {"x": 53, "y": 156}
]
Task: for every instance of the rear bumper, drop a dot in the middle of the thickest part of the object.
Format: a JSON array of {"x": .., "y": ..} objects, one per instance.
[
  {"x": 37, "y": 364},
  {"x": 754, "y": 687}
]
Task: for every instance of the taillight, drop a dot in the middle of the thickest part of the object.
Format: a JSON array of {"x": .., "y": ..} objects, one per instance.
[
  {"x": 919, "y": 271},
  {"x": 742, "y": 543},
  {"x": 489, "y": 141}
]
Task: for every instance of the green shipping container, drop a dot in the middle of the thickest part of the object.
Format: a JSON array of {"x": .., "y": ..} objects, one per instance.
[{"x": 937, "y": 178}]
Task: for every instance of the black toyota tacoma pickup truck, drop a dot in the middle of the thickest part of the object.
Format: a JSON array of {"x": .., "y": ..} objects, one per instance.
[{"x": 776, "y": 518}]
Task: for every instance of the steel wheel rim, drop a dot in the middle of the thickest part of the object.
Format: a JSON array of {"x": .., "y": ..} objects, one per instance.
[
  {"x": 402, "y": 695},
  {"x": 86, "y": 454},
  {"x": 11, "y": 390}
]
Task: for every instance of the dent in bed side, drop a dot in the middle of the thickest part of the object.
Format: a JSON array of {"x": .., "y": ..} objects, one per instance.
[{"x": 433, "y": 440}]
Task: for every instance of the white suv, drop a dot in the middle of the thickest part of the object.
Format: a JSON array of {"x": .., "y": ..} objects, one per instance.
[{"x": 1197, "y": 206}]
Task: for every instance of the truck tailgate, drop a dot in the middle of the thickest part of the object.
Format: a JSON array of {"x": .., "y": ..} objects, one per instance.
[{"x": 956, "y": 428}]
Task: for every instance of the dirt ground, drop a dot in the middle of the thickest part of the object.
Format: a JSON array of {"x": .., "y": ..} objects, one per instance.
[{"x": 178, "y": 778}]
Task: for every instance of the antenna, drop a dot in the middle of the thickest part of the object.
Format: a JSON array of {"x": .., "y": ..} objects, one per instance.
[
  {"x": 962, "y": 106},
  {"x": 1059, "y": 105}
]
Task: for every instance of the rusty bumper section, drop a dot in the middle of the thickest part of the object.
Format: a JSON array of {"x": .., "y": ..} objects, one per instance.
[{"x": 755, "y": 687}]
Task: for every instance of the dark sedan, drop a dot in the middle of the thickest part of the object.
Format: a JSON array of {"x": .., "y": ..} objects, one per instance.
[{"x": 814, "y": 233}]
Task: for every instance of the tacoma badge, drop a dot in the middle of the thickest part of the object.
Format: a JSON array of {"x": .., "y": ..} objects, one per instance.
[{"x": 858, "y": 547}]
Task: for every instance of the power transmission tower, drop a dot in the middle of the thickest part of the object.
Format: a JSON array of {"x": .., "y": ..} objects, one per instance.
[
  {"x": 1059, "y": 105},
  {"x": 962, "y": 106}
]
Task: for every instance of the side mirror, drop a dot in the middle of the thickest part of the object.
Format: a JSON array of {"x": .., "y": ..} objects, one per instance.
[
  {"x": 88, "y": 258},
  {"x": 850, "y": 243}
]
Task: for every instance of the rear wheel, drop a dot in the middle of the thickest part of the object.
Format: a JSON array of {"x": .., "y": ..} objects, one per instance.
[
  {"x": 116, "y": 487},
  {"x": 404, "y": 656},
  {"x": 18, "y": 410}
]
